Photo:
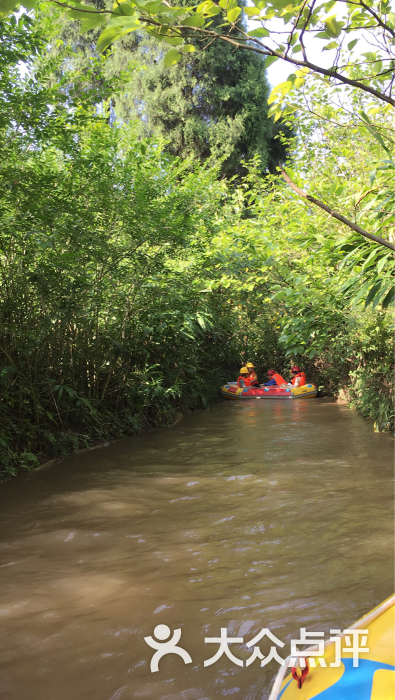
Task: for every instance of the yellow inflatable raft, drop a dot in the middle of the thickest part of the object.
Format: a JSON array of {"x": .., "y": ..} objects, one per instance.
[
  {"x": 232, "y": 391},
  {"x": 372, "y": 679}
]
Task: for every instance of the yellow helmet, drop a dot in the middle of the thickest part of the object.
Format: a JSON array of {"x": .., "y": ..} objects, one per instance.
[
  {"x": 249, "y": 364},
  {"x": 243, "y": 370}
]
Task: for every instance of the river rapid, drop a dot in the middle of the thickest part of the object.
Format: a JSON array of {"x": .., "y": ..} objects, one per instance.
[{"x": 265, "y": 514}]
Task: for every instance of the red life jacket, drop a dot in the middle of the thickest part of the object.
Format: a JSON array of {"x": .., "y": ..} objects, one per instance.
[
  {"x": 302, "y": 379},
  {"x": 278, "y": 378}
]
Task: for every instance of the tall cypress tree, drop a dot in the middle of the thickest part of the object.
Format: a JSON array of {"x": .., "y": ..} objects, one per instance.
[{"x": 210, "y": 105}]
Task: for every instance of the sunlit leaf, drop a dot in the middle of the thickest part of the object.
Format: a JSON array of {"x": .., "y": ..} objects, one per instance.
[
  {"x": 252, "y": 11},
  {"x": 233, "y": 14},
  {"x": 116, "y": 31},
  {"x": 269, "y": 60},
  {"x": 261, "y": 31},
  {"x": 193, "y": 22},
  {"x": 172, "y": 57},
  {"x": 125, "y": 9},
  {"x": 333, "y": 27}
]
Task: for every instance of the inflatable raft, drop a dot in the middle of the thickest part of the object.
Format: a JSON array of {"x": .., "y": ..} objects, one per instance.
[
  {"x": 372, "y": 679},
  {"x": 232, "y": 391}
]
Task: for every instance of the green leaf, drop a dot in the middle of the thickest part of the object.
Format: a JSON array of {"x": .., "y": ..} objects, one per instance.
[
  {"x": 252, "y": 11},
  {"x": 188, "y": 48},
  {"x": 173, "y": 41},
  {"x": 213, "y": 11},
  {"x": 389, "y": 299},
  {"x": 91, "y": 22},
  {"x": 152, "y": 7},
  {"x": 204, "y": 6},
  {"x": 378, "y": 138},
  {"x": 233, "y": 14},
  {"x": 352, "y": 43},
  {"x": 261, "y": 31},
  {"x": 171, "y": 58},
  {"x": 333, "y": 27},
  {"x": 332, "y": 45},
  {"x": 114, "y": 32},
  {"x": 383, "y": 261},
  {"x": 125, "y": 9},
  {"x": 374, "y": 290},
  {"x": 76, "y": 13},
  {"x": 6, "y": 6},
  {"x": 269, "y": 60},
  {"x": 29, "y": 4},
  {"x": 193, "y": 22},
  {"x": 283, "y": 88}
]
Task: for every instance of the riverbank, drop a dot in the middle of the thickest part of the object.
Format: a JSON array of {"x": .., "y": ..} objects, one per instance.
[{"x": 375, "y": 405}]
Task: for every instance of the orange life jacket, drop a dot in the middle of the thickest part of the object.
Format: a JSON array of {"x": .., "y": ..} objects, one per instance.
[
  {"x": 246, "y": 379},
  {"x": 302, "y": 379},
  {"x": 253, "y": 377},
  {"x": 278, "y": 378}
]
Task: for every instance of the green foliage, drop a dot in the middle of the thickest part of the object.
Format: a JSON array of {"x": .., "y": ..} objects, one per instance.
[
  {"x": 374, "y": 20},
  {"x": 211, "y": 105},
  {"x": 133, "y": 282},
  {"x": 103, "y": 329}
]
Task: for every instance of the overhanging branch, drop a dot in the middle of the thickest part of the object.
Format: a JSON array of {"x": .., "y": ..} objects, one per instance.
[{"x": 335, "y": 214}]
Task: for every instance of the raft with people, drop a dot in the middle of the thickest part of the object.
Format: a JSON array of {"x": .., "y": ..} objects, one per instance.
[{"x": 248, "y": 387}]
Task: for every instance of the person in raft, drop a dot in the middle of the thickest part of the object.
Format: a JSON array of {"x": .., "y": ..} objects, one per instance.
[
  {"x": 275, "y": 379},
  {"x": 299, "y": 377},
  {"x": 252, "y": 374},
  {"x": 243, "y": 380}
]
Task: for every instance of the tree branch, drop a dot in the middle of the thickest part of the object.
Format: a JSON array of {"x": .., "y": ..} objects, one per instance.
[
  {"x": 267, "y": 51},
  {"x": 335, "y": 214}
]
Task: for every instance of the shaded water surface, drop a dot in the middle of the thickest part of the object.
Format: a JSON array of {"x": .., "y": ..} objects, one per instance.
[{"x": 261, "y": 514}]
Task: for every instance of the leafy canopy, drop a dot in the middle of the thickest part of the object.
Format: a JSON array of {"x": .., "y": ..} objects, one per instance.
[{"x": 338, "y": 24}]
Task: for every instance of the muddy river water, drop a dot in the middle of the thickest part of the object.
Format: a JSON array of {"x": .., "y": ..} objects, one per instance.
[{"x": 266, "y": 514}]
